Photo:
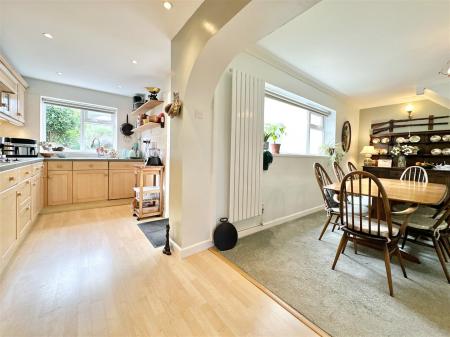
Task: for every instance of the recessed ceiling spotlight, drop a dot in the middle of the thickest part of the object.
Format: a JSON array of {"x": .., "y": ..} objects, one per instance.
[
  {"x": 119, "y": 86},
  {"x": 59, "y": 73},
  {"x": 48, "y": 35},
  {"x": 167, "y": 5},
  {"x": 134, "y": 61}
]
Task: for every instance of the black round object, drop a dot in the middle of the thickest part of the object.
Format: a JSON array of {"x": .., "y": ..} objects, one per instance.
[{"x": 225, "y": 235}]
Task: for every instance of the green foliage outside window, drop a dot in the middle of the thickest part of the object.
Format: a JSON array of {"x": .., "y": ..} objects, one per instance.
[{"x": 63, "y": 126}]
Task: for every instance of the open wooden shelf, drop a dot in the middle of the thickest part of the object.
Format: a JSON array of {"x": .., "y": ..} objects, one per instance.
[
  {"x": 149, "y": 105},
  {"x": 147, "y": 126}
]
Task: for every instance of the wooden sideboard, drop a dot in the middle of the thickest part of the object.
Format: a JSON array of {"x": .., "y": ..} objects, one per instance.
[{"x": 434, "y": 176}]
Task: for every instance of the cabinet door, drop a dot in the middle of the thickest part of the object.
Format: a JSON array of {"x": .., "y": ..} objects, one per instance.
[
  {"x": 90, "y": 185},
  {"x": 121, "y": 183},
  {"x": 21, "y": 103},
  {"x": 8, "y": 217},
  {"x": 35, "y": 196},
  {"x": 59, "y": 188}
]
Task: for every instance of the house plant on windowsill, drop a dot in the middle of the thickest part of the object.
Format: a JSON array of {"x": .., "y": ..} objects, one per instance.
[
  {"x": 266, "y": 136},
  {"x": 400, "y": 151},
  {"x": 334, "y": 152},
  {"x": 276, "y": 131}
]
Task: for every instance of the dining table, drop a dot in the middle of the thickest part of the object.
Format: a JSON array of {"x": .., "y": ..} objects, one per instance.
[{"x": 401, "y": 191}]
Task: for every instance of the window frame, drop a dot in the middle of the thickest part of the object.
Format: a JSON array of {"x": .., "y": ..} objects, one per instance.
[
  {"x": 311, "y": 110},
  {"x": 85, "y": 108}
]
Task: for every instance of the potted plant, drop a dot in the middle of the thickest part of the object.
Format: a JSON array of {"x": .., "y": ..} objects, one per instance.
[
  {"x": 276, "y": 131},
  {"x": 266, "y": 136},
  {"x": 334, "y": 152}
]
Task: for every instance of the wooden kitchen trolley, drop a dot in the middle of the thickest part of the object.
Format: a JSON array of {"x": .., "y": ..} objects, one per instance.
[{"x": 149, "y": 192}]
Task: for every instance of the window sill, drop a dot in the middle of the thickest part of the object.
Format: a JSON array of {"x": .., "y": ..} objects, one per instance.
[{"x": 287, "y": 155}]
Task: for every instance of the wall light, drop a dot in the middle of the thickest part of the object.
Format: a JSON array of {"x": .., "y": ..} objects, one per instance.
[
  {"x": 409, "y": 109},
  {"x": 48, "y": 35},
  {"x": 167, "y": 5}
]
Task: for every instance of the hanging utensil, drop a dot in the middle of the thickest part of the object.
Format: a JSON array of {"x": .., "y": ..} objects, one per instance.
[{"x": 126, "y": 128}]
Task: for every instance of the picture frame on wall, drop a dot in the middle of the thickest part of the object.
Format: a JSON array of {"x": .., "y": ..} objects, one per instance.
[{"x": 346, "y": 136}]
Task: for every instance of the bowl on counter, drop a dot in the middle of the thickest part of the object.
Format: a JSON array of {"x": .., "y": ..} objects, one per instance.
[{"x": 46, "y": 154}]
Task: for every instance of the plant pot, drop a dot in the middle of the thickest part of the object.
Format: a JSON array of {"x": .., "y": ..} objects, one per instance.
[
  {"x": 266, "y": 146},
  {"x": 275, "y": 148}
]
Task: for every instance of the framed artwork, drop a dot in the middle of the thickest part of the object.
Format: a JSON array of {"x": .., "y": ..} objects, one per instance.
[{"x": 346, "y": 136}]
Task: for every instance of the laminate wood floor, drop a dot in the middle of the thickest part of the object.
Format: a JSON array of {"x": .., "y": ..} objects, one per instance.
[{"x": 94, "y": 273}]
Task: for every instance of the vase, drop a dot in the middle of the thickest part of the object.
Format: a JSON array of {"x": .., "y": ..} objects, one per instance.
[{"x": 401, "y": 161}]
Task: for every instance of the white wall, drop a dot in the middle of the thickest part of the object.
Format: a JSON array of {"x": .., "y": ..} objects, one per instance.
[
  {"x": 289, "y": 186},
  {"x": 38, "y": 88}
]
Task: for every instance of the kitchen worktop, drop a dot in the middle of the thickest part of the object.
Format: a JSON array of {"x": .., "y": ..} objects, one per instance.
[{"x": 27, "y": 161}]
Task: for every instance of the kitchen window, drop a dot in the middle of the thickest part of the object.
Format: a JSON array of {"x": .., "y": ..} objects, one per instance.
[
  {"x": 304, "y": 123},
  {"x": 79, "y": 127}
]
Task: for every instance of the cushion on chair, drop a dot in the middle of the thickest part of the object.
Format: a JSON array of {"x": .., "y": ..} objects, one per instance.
[{"x": 384, "y": 230}]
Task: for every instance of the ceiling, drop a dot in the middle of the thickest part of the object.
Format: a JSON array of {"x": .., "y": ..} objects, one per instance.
[
  {"x": 94, "y": 41},
  {"x": 370, "y": 51}
]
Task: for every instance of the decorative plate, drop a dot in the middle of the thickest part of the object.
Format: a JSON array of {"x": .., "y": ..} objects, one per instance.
[
  {"x": 375, "y": 140},
  {"x": 436, "y": 152},
  {"x": 435, "y": 138},
  {"x": 400, "y": 140},
  {"x": 346, "y": 136},
  {"x": 414, "y": 139},
  {"x": 446, "y": 138},
  {"x": 385, "y": 140},
  {"x": 446, "y": 151}
]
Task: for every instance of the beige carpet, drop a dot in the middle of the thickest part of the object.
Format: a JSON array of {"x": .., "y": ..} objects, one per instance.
[{"x": 353, "y": 300}]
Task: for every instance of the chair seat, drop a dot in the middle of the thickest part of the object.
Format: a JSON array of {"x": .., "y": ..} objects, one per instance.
[
  {"x": 364, "y": 209},
  {"x": 384, "y": 230},
  {"x": 422, "y": 219}
]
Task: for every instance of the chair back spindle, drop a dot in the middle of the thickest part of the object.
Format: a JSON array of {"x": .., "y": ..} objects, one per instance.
[
  {"x": 415, "y": 173},
  {"x": 338, "y": 171},
  {"x": 354, "y": 187},
  {"x": 351, "y": 167},
  {"x": 323, "y": 179}
]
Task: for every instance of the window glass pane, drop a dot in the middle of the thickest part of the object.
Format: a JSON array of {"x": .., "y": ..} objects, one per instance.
[
  {"x": 315, "y": 140},
  {"x": 96, "y": 135},
  {"x": 98, "y": 117},
  {"x": 63, "y": 126},
  {"x": 316, "y": 119},
  {"x": 294, "y": 118}
]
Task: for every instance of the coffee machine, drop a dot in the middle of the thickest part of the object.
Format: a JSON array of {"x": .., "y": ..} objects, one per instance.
[{"x": 18, "y": 147}]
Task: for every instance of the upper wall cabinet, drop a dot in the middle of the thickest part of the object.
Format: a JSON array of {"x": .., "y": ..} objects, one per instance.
[{"x": 12, "y": 94}]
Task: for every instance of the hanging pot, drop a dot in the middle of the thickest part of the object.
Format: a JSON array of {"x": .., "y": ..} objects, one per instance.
[{"x": 126, "y": 128}]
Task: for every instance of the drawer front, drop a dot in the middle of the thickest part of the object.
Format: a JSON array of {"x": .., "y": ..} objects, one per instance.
[
  {"x": 59, "y": 165},
  {"x": 90, "y": 165},
  {"x": 25, "y": 172},
  {"x": 38, "y": 168},
  {"x": 23, "y": 192},
  {"x": 24, "y": 218},
  {"x": 8, "y": 179},
  {"x": 123, "y": 165}
]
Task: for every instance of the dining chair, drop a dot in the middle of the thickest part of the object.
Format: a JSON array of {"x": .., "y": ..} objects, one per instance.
[
  {"x": 415, "y": 173},
  {"x": 330, "y": 202},
  {"x": 374, "y": 227},
  {"x": 351, "y": 167},
  {"x": 423, "y": 225},
  {"x": 338, "y": 171}
]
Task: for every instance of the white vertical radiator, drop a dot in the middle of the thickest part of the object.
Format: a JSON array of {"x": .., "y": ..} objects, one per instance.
[{"x": 247, "y": 126}]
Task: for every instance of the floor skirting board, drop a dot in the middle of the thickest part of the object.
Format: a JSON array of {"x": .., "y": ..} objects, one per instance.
[
  {"x": 279, "y": 221},
  {"x": 192, "y": 249}
]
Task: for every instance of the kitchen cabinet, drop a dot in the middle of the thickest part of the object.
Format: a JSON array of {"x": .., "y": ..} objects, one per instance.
[
  {"x": 36, "y": 196},
  {"x": 8, "y": 217},
  {"x": 59, "y": 187},
  {"x": 23, "y": 218},
  {"x": 90, "y": 185},
  {"x": 20, "y": 115},
  {"x": 121, "y": 183}
]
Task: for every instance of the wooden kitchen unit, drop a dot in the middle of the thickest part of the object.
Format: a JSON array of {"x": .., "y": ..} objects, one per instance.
[
  {"x": 21, "y": 200},
  {"x": 84, "y": 181}
]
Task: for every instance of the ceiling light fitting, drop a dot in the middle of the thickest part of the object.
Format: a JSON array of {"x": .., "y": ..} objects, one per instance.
[
  {"x": 59, "y": 73},
  {"x": 134, "y": 61},
  {"x": 167, "y": 5},
  {"x": 48, "y": 35}
]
